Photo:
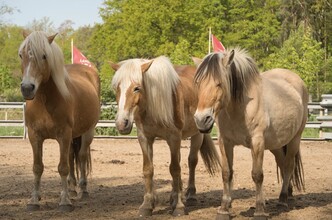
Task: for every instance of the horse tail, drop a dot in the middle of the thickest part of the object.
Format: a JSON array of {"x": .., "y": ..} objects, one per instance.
[
  {"x": 298, "y": 176},
  {"x": 210, "y": 155},
  {"x": 298, "y": 173},
  {"x": 76, "y": 145}
]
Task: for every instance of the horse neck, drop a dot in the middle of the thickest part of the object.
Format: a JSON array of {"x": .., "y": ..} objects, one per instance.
[
  {"x": 251, "y": 97},
  {"x": 143, "y": 115},
  {"x": 47, "y": 92}
]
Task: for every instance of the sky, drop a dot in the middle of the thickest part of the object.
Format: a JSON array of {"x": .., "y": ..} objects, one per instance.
[{"x": 81, "y": 12}]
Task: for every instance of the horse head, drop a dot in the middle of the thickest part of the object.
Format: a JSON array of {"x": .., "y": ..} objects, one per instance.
[
  {"x": 127, "y": 82},
  {"x": 212, "y": 87},
  {"x": 34, "y": 54}
]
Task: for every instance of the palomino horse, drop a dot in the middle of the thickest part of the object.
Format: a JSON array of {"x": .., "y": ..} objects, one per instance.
[
  {"x": 62, "y": 103},
  {"x": 162, "y": 102},
  {"x": 258, "y": 111}
]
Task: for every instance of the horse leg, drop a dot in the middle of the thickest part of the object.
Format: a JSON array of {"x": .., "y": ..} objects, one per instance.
[
  {"x": 289, "y": 165},
  {"x": 85, "y": 163},
  {"x": 174, "y": 143},
  {"x": 280, "y": 157},
  {"x": 149, "y": 195},
  {"x": 63, "y": 168},
  {"x": 72, "y": 182},
  {"x": 257, "y": 152},
  {"x": 227, "y": 153},
  {"x": 195, "y": 144},
  {"x": 38, "y": 168}
]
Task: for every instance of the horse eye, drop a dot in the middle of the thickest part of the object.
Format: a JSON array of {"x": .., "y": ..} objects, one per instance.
[
  {"x": 20, "y": 56},
  {"x": 137, "y": 89},
  {"x": 44, "y": 57}
]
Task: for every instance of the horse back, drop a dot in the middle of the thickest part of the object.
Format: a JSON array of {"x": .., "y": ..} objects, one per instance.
[{"x": 81, "y": 73}]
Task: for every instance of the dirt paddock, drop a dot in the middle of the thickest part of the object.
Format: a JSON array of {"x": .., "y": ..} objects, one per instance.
[{"x": 116, "y": 184}]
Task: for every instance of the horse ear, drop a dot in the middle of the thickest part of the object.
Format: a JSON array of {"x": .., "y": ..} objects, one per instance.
[
  {"x": 229, "y": 58},
  {"x": 115, "y": 66},
  {"x": 51, "y": 38},
  {"x": 146, "y": 66},
  {"x": 25, "y": 33},
  {"x": 197, "y": 60}
]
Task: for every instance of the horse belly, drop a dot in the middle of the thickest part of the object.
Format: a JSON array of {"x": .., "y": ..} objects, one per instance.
[
  {"x": 285, "y": 119},
  {"x": 86, "y": 110}
]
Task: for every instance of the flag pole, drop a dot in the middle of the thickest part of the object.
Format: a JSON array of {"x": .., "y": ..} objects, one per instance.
[
  {"x": 209, "y": 40},
  {"x": 72, "y": 50}
]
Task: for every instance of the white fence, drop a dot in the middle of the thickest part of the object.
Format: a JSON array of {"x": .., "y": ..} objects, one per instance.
[{"x": 323, "y": 121}]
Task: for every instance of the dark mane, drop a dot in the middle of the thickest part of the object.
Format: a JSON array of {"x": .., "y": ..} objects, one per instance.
[{"x": 234, "y": 78}]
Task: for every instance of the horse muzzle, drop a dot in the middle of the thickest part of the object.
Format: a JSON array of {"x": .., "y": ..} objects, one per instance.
[
  {"x": 204, "y": 123},
  {"x": 124, "y": 126},
  {"x": 28, "y": 90}
]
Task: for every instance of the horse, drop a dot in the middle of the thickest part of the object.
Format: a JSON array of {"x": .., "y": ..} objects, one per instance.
[
  {"x": 161, "y": 99},
  {"x": 62, "y": 103},
  {"x": 266, "y": 111}
]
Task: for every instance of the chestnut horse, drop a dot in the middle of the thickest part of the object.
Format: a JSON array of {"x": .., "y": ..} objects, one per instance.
[
  {"x": 162, "y": 100},
  {"x": 258, "y": 111},
  {"x": 62, "y": 103}
]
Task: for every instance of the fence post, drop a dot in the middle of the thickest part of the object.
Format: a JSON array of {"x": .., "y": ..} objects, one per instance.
[{"x": 24, "y": 125}]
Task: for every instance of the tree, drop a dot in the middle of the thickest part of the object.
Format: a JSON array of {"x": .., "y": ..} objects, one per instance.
[
  {"x": 253, "y": 25},
  {"x": 44, "y": 24},
  {"x": 139, "y": 28},
  {"x": 5, "y": 9},
  {"x": 302, "y": 54},
  {"x": 10, "y": 75}
]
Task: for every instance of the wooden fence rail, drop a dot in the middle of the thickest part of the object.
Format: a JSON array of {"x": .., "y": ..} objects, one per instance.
[{"x": 313, "y": 108}]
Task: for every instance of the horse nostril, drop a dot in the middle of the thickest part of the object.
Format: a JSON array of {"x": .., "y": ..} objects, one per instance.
[
  {"x": 207, "y": 119},
  {"x": 27, "y": 87},
  {"x": 126, "y": 122}
]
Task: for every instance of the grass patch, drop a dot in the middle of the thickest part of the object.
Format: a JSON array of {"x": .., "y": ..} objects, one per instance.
[
  {"x": 11, "y": 114},
  {"x": 310, "y": 133},
  {"x": 11, "y": 131}
]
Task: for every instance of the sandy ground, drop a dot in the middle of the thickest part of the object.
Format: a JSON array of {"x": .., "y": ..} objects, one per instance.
[{"x": 116, "y": 184}]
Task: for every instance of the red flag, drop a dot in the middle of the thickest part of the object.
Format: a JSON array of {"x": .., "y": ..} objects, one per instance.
[
  {"x": 78, "y": 57},
  {"x": 217, "y": 45}
]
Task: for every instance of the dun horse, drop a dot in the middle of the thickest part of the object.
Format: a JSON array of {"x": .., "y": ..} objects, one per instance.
[
  {"x": 62, "y": 103},
  {"x": 162, "y": 103},
  {"x": 258, "y": 111}
]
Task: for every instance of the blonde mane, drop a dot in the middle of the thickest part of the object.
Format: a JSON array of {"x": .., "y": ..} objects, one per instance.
[
  {"x": 38, "y": 46},
  {"x": 159, "y": 83}
]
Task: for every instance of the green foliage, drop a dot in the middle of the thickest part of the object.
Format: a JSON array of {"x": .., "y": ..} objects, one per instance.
[
  {"x": 253, "y": 25},
  {"x": 10, "y": 76},
  {"x": 107, "y": 114},
  {"x": 301, "y": 54}
]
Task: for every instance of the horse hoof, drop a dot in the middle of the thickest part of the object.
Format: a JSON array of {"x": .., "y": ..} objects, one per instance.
[
  {"x": 33, "y": 207},
  {"x": 72, "y": 193},
  {"x": 83, "y": 195},
  {"x": 179, "y": 212},
  {"x": 282, "y": 204},
  {"x": 191, "y": 201},
  {"x": 145, "y": 212},
  {"x": 66, "y": 208},
  {"x": 223, "y": 217},
  {"x": 261, "y": 216}
]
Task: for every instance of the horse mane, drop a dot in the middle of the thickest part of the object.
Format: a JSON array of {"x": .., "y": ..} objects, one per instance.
[
  {"x": 159, "y": 83},
  {"x": 38, "y": 45},
  {"x": 235, "y": 78}
]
